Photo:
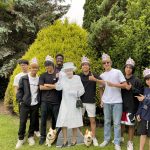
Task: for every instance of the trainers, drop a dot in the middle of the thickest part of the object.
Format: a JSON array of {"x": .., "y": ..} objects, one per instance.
[
  {"x": 117, "y": 147},
  {"x": 95, "y": 142},
  {"x": 104, "y": 144},
  {"x": 31, "y": 141},
  {"x": 37, "y": 134},
  {"x": 121, "y": 140},
  {"x": 19, "y": 143},
  {"x": 130, "y": 145},
  {"x": 42, "y": 140}
]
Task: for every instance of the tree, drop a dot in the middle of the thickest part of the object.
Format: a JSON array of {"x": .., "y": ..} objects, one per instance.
[
  {"x": 90, "y": 13},
  {"x": 68, "y": 39},
  {"x": 20, "y": 20}
]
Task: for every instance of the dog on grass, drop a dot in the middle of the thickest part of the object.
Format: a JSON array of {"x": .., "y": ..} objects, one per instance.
[
  {"x": 51, "y": 136},
  {"x": 88, "y": 138}
]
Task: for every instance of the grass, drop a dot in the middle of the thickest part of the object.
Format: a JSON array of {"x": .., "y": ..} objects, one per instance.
[{"x": 8, "y": 137}]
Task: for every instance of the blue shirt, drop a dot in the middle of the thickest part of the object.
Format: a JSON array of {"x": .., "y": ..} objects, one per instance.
[{"x": 144, "y": 107}]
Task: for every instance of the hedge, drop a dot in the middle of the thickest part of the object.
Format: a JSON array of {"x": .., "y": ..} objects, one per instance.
[{"x": 61, "y": 37}]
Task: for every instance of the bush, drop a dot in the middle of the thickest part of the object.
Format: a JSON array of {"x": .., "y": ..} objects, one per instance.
[{"x": 68, "y": 39}]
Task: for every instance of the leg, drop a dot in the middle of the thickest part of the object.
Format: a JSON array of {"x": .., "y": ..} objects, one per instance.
[
  {"x": 149, "y": 143},
  {"x": 107, "y": 121},
  {"x": 37, "y": 121},
  {"x": 24, "y": 110},
  {"x": 33, "y": 119},
  {"x": 117, "y": 113},
  {"x": 74, "y": 135},
  {"x": 131, "y": 133},
  {"x": 122, "y": 130},
  {"x": 142, "y": 141},
  {"x": 93, "y": 125},
  {"x": 43, "y": 119},
  {"x": 64, "y": 132}
]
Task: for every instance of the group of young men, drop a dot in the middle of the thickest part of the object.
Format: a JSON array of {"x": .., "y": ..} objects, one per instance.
[{"x": 119, "y": 97}]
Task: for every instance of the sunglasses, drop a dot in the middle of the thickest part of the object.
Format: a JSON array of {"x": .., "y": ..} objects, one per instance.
[{"x": 106, "y": 63}]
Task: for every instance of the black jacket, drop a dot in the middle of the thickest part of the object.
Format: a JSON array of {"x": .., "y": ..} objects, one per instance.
[{"x": 24, "y": 93}]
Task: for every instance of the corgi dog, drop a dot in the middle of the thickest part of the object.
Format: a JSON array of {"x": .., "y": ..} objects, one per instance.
[{"x": 88, "y": 138}]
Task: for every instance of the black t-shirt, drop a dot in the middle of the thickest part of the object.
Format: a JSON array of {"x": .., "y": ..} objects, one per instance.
[
  {"x": 90, "y": 88},
  {"x": 51, "y": 96},
  {"x": 130, "y": 102}
]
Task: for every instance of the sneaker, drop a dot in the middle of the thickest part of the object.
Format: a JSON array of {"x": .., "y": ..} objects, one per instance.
[
  {"x": 31, "y": 141},
  {"x": 37, "y": 134},
  {"x": 130, "y": 145},
  {"x": 19, "y": 143},
  {"x": 121, "y": 140},
  {"x": 117, "y": 147},
  {"x": 104, "y": 144},
  {"x": 42, "y": 140},
  {"x": 95, "y": 142}
]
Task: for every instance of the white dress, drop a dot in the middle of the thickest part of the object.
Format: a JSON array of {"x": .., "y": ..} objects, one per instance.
[{"x": 69, "y": 116}]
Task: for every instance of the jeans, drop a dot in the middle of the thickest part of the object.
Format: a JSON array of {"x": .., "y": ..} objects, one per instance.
[
  {"x": 47, "y": 110},
  {"x": 115, "y": 111}
]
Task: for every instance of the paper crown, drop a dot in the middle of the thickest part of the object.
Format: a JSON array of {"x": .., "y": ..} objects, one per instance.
[
  {"x": 130, "y": 61},
  {"x": 85, "y": 60},
  {"x": 105, "y": 57},
  {"x": 34, "y": 61},
  {"x": 146, "y": 72},
  {"x": 49, "y": 58},
  {"x": 68, "y": 65}
]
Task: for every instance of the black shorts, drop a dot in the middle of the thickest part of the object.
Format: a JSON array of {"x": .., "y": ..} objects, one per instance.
[{"x": 144, "y": 128}]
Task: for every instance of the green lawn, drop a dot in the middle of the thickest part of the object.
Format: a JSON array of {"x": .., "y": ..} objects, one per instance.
[{"x": 8, "y": 137}]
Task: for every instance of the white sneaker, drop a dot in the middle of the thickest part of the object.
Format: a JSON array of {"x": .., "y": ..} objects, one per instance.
[
  {"x": 95, "y": 142},
  {"x": 117, "y": 147},
  {"x": 19, "y": 143},
  {"x": 31, "y": 141},
  {"x": 121, "y": 140},
  {"x": 37, "y": 134},
  {"x": 104, "y": 144},
  {"x": 130, "y": 145}
]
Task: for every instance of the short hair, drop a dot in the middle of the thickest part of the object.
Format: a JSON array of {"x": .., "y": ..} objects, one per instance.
[
  {"x": 48, "y": 63},
  {"x": 147, "y": 77},
  {"x": 59, "y": 55},
  {"x": 23, "y": 61}
]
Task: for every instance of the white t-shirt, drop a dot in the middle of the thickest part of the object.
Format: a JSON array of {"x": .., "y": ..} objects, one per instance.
[
  {"x": 17, "y": 78},
  {"x": 34, "y": 83},
  {"x": 112, "y": 94}
]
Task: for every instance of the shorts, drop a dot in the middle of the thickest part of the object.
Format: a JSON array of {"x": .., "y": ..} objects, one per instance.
[
  {"x": 128, "y": 119},
  {"x": 144, "y": 128},
  {"x": 90, "y": 108}
]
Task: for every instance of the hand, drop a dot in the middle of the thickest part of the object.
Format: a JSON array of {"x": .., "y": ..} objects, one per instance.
[
  {"x": 140, "y": 98},
  {"x": 57, "y": 75},
  {"x": 92, "y": 78},
  {"x": 128, "y": 86},
  {"x": 138, "y": 118},
  {"x": 101, "y": 104}
]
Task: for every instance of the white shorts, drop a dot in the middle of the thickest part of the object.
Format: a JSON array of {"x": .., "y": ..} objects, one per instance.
[{"x": 90, "y": 108}]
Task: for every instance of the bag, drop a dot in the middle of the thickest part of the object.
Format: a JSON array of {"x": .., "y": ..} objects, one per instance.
[{"x": 79, "y": 103}]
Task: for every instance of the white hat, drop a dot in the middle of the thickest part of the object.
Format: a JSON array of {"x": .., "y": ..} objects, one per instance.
[
  {"x": 146, "y": 72},
  {"x": 105, "y": 57},
  {"x": 130, "y": 61},
  {"x": 34, "y": 61},
  {"x": 49, "y": 58},
  {"x": 85, "y": 60},
  {"x": 68, "y": 65}
]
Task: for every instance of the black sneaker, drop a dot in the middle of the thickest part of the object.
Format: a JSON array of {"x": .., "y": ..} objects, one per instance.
[{"x": 42, "y": 140}]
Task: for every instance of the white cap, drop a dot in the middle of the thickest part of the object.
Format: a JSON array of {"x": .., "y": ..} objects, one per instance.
[
  {"x": 49, "y": 58},
  {"x": 68, "y": 65},
  {"x": 146, "y": 72},
  {"x": 105, "y": 57},
  {"x": 85, "y": 60},
  {"x": 34, "y": 61},
  {"x": 130, "y": 61}
]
